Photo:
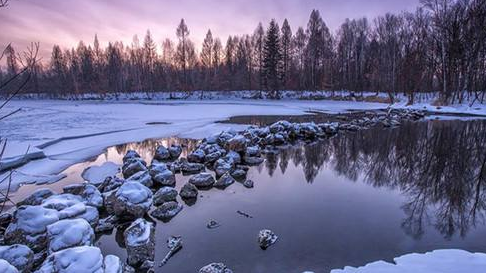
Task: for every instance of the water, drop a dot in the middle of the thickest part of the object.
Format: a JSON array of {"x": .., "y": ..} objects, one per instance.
[{"x": 350, "y": 200}]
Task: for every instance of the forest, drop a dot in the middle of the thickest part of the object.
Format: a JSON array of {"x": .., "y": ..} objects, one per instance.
[{"x": 440, "y": 47}]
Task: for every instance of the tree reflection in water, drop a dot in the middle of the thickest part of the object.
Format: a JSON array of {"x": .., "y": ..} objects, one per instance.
[{"x": 440, "y": 166}]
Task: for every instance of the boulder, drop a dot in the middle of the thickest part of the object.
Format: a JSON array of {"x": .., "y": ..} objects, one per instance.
[
  {"x": 29, "y": 226},
  {"x": 131, "y": 154},
  {"x": 188, "y": 191},
  {"x": 36, "y": 197},
  {"x": 162, "y": 176},
  {"x": 69, "y": 233},
  {"x": 140, "y": 242},
  {"x": 61, "y": 201},
  {"x": 266, "y": 238},
  {"x": 133, "y": 166},
  {"x": 215, "y": 268},
  {"x": 175, "y": 151},
  {"x": 165, "y": 194},
  {"x": 224, "y": 181},
  {"x": 233, "y": 157},
  {"x": 196, "y": 156},
  {"x": 161, "y": 153},
  {"x": 222, "y": 166},
  {"x": 19, "y": 256},
  {"x": 166, "y": 211},
  {"x": 106, "y": 224},
  {"x": 112, "y": 264},
  {"x": 90, "y": 194},
  {"x": 202, "y": 180},
  {"x": 110, "y": 183},
  {"x": 237, "y": 143},
  {"x": 142, "y": 177},
  {"x": 252, "y": 151},
  {"x": 252, "y": 161},
  {"x": 239, "y": 174},
  {"x": 86, "y": 259},
  {"x": 132, "y": 200}
]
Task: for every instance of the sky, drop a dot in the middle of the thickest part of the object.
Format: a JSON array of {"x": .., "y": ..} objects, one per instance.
[{"x": 66, "y": 22}]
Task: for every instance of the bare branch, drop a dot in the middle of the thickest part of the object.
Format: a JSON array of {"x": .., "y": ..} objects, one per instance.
[{"x": 3, "y": 3}]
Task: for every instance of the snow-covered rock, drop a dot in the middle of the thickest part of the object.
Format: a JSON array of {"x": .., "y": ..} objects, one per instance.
[
  {"x": 162, "y": 153},
  {"x": 20, "y": 256},
  {"x": 133, "y": 166},
  {"x": 106, "y": 224},
  {"x": 140, "y": 242},
  {"x": 197, "y": 156},
  {"x": 29, "y": 226},
  {"x": 222, "y": 166},
  {"x": 6, "y": 267},
  {"x": 266, "y": 238},
  {"x": 237, "y": 143},
  {"x": 215, "y": 268},
  {"x": 163, "y": 195},
  {"x": 132, "y": 200},
  {"x": 224, "y": 181},
  {"x": 90, "y": 194},
  {"x": 130, "y": 155},
  {"x": 61, "y": 201},
  {"x": 252, "y": 161},
  {"x": 161, "y": 175},
  {"x": 110, "y": 183},
  {"x": 248, "y": 184},
  {"x": 202, "y": 180},
  {"x": 175, "y": 151},
  {"x": 36, "y": 197},
  {"x": 69, "y": 233},
  {"x": 112, "y": 264},
  {"x": 86, "y": 259},
  {"x": 142, "y": 177},
  {"x": 166, "y": 211},
  {"x": 188, "y": 191}
]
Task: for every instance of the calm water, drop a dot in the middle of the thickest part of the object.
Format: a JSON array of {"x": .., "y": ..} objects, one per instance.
[{"x": 349, "y": 200}]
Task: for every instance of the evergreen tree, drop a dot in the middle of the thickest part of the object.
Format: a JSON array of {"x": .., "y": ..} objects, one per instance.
[
  {"x": 182, "y": 49},
  {"x": 272, "y": 61},
  {"x": 258, "y": 42},
  {"x": 286, "y": 51}
]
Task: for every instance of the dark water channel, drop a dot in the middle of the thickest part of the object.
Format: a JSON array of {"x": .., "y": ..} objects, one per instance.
[{"x": 350, "y": 200}]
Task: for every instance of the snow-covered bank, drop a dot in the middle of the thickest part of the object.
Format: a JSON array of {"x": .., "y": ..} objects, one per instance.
[{"x": 437, "y": 261}]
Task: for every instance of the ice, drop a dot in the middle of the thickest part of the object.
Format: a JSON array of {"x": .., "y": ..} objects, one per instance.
[
  {"x": 437, "y": 261},
  {"x": 86, "y": 259},
  {"x": 97, "y": 174}
]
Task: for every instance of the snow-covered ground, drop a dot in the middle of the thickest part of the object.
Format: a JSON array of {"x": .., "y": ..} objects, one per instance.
[{"x": 60, "y": 133}]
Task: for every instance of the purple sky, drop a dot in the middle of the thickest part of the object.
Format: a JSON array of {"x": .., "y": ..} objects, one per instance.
[{"x": 65, "y": 22}]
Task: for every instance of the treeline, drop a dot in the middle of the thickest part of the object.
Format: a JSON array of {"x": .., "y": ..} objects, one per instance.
[{"x": 439, "y": 47}]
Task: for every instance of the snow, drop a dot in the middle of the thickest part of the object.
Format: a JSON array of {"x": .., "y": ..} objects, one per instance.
[
  {"x": 69, "y": 233},
  {"x": 77, "y": 259},
  {"x": 5, "y": 267},
  {"x": 437, "y": 261},
  {"x": 141, "y": 234},
  {"x": 97, "y": 174},
  {"x": 33, "y": 219}
]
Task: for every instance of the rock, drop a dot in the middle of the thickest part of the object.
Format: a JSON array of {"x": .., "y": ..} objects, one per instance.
[
  {"x": 188, "y": 191},
  {"x": 279, "y": 139},
  {"x": 112, "y": 264},
  {"x": 95, "y": 175},
  {"x": 237, "y": 143},
  {"x": 165, "y": 194},
  {"x": 6, "y": 267},
  {"x": 252, "y": 151},
  {"x": 140, "y": 242},
  {"x": 252, "y": 161},
  {"x": 166, "y": 211},
  {"x": 213, "y": 224},
  {"x": 106, "y": 224},
  {"x": 161, "y": 153},
  {"x": 133, "y": 166},
  {"x": 212, "y": 157},
  {"x": 197, "y": 156},
  {"x": 224, "y": 181},
  {"x": 175, "y": 151},
  {"x": 36, "y": 197},
  {"x": 72, "y": 206},
  {"x": 222, "y": 166},
  {"x": 192, "y": 168},
  {"x": 147, "y": 266},
  {"x": 248, "y": 184},
  {"x": 132, "y": 200},
  {"x": 91, "y": 215},
  {"x": 19, "y": 256},
  {"x": 86, "y": 259},
  {"x": 110, "y": 183},
  {"x": 233, "y": 157},
  {"x": 163, "y": 177},
  {"x": 69, "y": 233},
  {"x": 131, "y": 154},
  {"x": 174, "y": 243},
  {"x": 238, "y": 174},
  {"x": 266, "y": 238},
  {"x": 90, "y": 194},
  {"x": 29, "y": 226},
  {"x": 215, "y": 268},
  {"x": 6, "y": 217},
  {"x": 202, "y": 180},
  {"x": 61, "y": 201},
  {"x": 142, "y": 177}
]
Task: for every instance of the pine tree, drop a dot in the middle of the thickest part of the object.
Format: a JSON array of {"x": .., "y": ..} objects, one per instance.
[
  {"x": 149, "y": 59},
  {"x": 207, "y": 59},
  {"x": 182, "y": 49},
  {"x": 272, "y": 61},
  {"x": 258, "y": 43},
  {"x": 286, "y": 51}
]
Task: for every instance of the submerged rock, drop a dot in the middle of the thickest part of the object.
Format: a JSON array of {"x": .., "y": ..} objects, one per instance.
[
  {"x": 213, "y": 224},
  {"x": 77, "y": 259},
  {"x": 248, "y": 184},
  {"x": 140, "y": 242},
  {"x": 174, "y": 243},
  {"x": 266, "y": 238},
  {"x": 165, "y": 194},
  {"x": 215, "y": 268},
  {"x": 202, "y": 180},
  {"x": 19, "y": 256},
  {"x": 188, "y": 191},
  {"x": 167, "y": 211},
  {"x": 69, "y": 233}
]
